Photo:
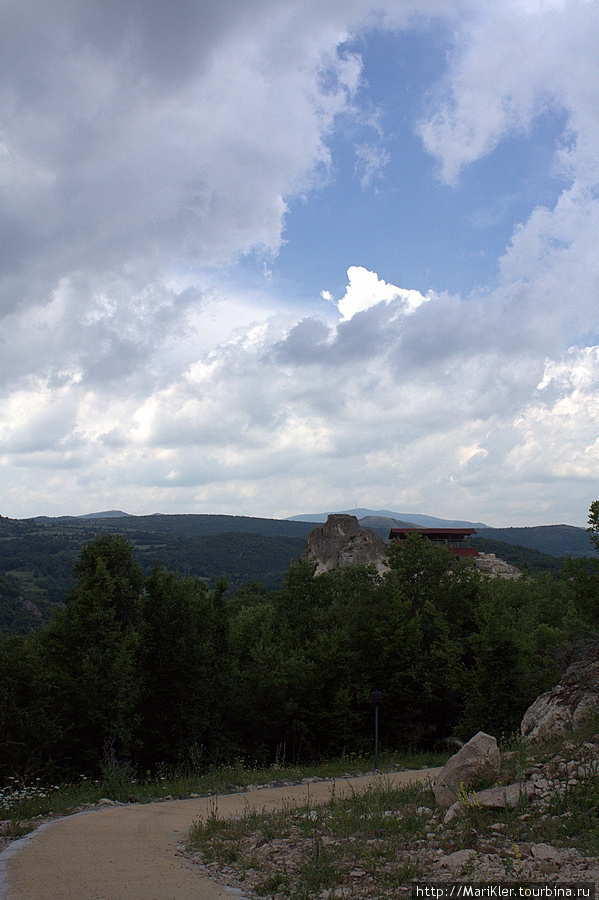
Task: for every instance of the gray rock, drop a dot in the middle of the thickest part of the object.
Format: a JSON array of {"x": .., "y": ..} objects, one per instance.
[
  {"x": 489, "y": 564},
  {"x": 569, "y": 705},
  {"x": 341, "y": 542},
  {"x": 478, "y": 760},
  {"x": 456, "y": 861},
  {"x": 498, "y": 797},
  {"x": 545, "y": 851}
]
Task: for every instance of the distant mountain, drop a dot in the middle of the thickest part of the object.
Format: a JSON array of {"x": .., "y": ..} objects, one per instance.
[
  {"x": 382, "y": 524},
  {"x": 557, "y": 540},
  {"x": 403, "y": 519},
  {"x": 189, "y": 524},
  {"x": 109, "y": 514},
  {"x": 37, "y": 555}
]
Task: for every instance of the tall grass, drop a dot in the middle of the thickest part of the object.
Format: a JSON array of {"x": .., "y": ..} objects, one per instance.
[{"x": 25, "y": 803}]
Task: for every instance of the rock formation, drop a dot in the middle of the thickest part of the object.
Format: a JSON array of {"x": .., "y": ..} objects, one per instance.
[
  {"x": 494, "y": 567},
  {"x": 341, "y": 542},
  {"x": 569, "y": 705},
  {"x": 478, "y": 760}
]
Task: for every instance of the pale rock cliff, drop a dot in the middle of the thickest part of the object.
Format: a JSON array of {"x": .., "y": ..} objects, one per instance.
[{"x": 341, "y": 542}]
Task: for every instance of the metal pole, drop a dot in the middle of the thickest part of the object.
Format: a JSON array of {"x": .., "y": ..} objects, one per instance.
[{"x": 376, "y": 698}]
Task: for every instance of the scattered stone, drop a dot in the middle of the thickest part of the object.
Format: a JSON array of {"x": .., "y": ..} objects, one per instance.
[{"x": 456, "y": 861}]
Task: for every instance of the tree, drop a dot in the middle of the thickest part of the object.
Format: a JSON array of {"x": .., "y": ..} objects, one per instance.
[
  {"x": 26, "y": 727},
  {"x": 111, "y": 554},
  {"x": 593, "y": 524},
  {"x": 584, "y": 575},
  {"x": 90, "y": 655},
  {"x": 183, "y": 669}
]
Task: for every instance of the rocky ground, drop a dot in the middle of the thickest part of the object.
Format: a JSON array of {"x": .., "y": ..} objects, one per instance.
[{"x": 533, "y": 842}]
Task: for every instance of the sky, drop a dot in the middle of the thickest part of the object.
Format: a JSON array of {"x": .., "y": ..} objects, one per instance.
[{"x": 273, "y": 257}]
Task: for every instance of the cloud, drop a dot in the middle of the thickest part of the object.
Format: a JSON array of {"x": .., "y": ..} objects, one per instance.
[
  {"x": 512, "y": 62},
  {"x": 158, "y": 153},
  {"x": 143, "y": 151},
  {"x": 370, "y": 163},
  {"x": 366, "y": 289}
]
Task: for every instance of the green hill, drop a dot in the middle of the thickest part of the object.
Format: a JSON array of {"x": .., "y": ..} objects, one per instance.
[
  {"x": 556, "y": 540},
  {"x": 37, "y": 555}
]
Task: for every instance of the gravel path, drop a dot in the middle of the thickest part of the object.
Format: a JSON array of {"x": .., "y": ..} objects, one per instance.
[{"x": 134, "y": 852}]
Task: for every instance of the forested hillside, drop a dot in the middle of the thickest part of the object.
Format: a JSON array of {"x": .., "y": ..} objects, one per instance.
[
  {"x": 37, "y": 555},
  {"x": 162, "y": 670},
  {"x": 556, "y": 540}
]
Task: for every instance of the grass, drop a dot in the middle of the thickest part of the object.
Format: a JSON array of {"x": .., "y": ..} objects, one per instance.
[
  {"x": 25, "y": 803},
  {"x": 370, "y": 843},
  {"x": 303, "y": 850}
]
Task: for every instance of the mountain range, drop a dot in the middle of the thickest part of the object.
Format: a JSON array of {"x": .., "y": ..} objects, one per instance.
[
  {"x": 37, "y": 555},
  {"x": 402, "y": 519}
]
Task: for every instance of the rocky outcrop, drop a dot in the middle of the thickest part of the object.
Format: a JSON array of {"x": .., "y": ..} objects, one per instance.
[
  {"x": 478, "y": 760},
  {"x": 30, "y": 607},
  {"x": 494, "y": 567},
  {"x": 341, "y": 542},
  {"x": 569, "y": 705}
]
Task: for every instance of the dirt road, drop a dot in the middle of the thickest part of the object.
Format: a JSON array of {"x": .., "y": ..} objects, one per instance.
[{"x": 133, "y": 852}]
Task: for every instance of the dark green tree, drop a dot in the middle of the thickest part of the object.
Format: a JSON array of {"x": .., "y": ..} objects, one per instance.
[
  {"x": 90, "y": 652},
  {"x": 27, "y": 728},
  {"x": 183, "y": 671},
  {"x": 584, "y": 578},
  {"x": 593, "y": 524}
]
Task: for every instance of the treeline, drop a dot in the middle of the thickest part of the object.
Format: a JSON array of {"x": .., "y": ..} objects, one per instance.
[
  {"x": 162, "y": 670},
  {"x": 36, "y": 560}
]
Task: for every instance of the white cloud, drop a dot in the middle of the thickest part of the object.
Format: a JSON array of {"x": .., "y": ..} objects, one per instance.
[
  {"x": 366, "y": 289},
  {"x": 512, "y": 62},
  {"x": 135, "y": 373},
  {"x": 370, "y": 163}
]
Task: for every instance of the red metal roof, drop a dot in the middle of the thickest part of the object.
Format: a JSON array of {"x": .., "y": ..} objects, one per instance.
[
  {"x": 453, "y": 538},
  {"x": 426, "y": 531}
]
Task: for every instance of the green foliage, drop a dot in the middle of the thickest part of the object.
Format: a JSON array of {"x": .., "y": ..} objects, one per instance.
[
  {"x": 19, "y": 613},
  {"x": 90, "y": 655},
  {"x": 37, "y": 555},
  {"x": 167, "y": 671},
  {"x": 28, "y": 722},
  {"x": 182, "y": 662},
  {"x": 593, "y": 524},
  {"x": 37, "y": 558},
  {"x": 585, "y": 578}
]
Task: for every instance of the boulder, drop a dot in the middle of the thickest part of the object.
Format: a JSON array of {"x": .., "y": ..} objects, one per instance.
[
  {"x": 569, "y": 705},
  {"x": 341, "y": 542},
  {"x": 498, "y": 797},
  {"x": 478, "y": 760}
]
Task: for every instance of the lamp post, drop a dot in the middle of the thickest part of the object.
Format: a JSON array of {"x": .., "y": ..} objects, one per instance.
[{"x": 376, "y": 697}]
